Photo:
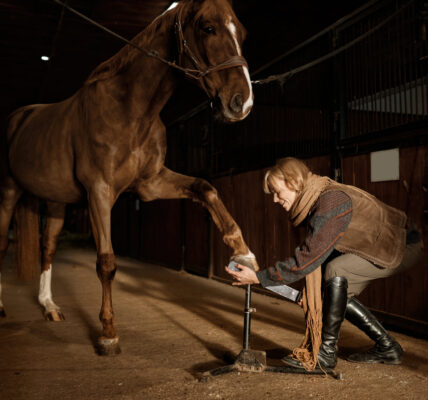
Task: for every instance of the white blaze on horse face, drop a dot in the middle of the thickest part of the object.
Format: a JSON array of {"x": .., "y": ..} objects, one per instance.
[
  {"x": 249, "y": 101},
  {"x": 45, "y": 293},
  {"x": 232, "y": 28}
]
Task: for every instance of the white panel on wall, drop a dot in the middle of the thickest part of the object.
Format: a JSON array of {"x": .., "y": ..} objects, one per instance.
[{"x": 385, "y": 165}]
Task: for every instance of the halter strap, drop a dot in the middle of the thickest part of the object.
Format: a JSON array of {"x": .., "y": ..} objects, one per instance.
[{"x": 200, "y": 71}]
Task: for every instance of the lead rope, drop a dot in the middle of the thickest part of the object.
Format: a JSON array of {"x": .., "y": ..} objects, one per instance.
[{"x": 183, "y": 48}]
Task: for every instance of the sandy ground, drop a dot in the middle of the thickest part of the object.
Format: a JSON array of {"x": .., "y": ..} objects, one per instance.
[{"x": 173, "y": 326}]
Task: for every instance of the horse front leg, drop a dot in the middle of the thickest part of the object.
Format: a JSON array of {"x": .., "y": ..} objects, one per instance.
[
  {"x": 101, "y": 201},
  {"x": 54, "y": 224},
  {"x": 171, "y": 185}
]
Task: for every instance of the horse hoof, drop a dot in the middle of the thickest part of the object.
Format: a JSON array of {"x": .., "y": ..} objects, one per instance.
[
  {"x": 249, "y": 262},
  {"x": 55, "y": 316},
  {"x": 2, "y": 313},
  {"x": 108, "y": 346}
]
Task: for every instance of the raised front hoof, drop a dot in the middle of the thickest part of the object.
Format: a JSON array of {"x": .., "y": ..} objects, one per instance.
[
  {"x": 108, "y": 346},
  {"x": 54, "y": 316},
  {"x": 2, "y": 313},
  {"x": 249, "y": 262}
]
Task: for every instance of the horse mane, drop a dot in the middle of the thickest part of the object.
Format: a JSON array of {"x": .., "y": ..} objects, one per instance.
[{"x": 128, "y": 53}]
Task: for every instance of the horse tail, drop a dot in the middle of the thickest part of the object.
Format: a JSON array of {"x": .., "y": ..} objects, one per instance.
[
  {"x": 26, "y": 226},
  {"x": 26, "y": 217}
]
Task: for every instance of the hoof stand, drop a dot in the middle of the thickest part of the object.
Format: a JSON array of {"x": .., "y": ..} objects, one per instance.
[
  {"x": 55, "y": 316},
  {"x": 108, "y": 346}
]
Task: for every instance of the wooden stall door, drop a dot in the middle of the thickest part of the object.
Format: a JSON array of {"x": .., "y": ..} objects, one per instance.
[
  {"x": 196, "y": 238},
  {"x": 149, "y": 231},
  {"x": 405, "y": 294}
]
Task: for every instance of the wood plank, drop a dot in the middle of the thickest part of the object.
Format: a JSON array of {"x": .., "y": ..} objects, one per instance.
[{"x": 406, "y": 293}]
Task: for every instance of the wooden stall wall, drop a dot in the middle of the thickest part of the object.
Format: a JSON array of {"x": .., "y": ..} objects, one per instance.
[
  {"x": 77, "y": 219},
  {"x": 406, "y": 294},
  {"x": 148, "y": 231},
  {"x": 196, "y": 252},
  {"x": 172, "y": 233}
]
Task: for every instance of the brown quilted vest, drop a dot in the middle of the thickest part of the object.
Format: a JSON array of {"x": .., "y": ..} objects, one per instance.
[{"x": 376, "y": 232}]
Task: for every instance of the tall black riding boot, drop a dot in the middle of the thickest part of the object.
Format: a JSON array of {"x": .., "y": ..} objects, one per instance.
[
  {"x": 334, "y": 306},
  {"x": 386, "y": 350}
]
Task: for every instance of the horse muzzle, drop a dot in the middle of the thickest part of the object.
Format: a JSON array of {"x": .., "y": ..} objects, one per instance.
[{"x": 234, "y": 109}]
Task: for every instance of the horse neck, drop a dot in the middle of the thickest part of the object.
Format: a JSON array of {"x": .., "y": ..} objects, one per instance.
[
  {"x": 147, "y": 87},
  {"x": 141, "y": 84}
]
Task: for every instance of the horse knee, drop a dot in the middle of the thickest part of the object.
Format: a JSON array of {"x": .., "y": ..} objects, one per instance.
[
  {"x": 204, "y": 191},
  {"x": 106, "y": 267}
]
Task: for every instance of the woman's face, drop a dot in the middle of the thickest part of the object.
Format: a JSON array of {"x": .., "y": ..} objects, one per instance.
[{"x": 282, "y": 193}]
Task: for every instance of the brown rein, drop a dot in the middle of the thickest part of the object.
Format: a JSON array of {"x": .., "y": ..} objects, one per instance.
[{"x": 198, "y": 73}]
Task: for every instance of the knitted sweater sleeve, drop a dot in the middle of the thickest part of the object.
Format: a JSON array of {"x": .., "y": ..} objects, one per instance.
[{"x": 327, "y": 224}]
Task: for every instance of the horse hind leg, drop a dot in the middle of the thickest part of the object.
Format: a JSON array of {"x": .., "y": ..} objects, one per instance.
[
  {"x": 54, "y": 224},
  {"x": 9, "y": 195}
]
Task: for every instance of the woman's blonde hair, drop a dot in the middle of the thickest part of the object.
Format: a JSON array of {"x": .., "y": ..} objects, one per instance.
[{"x": 291, "y": 170}]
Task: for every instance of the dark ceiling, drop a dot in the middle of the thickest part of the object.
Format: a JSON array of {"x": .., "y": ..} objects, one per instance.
[{"x": 32, "y": 28}]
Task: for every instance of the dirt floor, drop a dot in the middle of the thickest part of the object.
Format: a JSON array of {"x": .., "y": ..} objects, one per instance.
[{"x": 173, "y": 326}]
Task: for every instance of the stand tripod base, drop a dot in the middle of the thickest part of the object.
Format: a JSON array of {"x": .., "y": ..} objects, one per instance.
[{"x": 255, "y": 361}]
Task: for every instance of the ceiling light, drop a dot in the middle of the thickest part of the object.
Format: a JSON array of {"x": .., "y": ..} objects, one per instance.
[{"x": 45, "y": 58}]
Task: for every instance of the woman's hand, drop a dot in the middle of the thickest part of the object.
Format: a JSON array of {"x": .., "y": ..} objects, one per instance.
[{"x": 246, "y": 276}]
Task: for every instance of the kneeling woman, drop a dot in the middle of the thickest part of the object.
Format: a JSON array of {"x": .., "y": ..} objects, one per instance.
[{"x": 357, "y": 238}]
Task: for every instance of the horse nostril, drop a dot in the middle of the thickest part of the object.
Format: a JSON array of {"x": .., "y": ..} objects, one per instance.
[{"x": 236, "y": 102}]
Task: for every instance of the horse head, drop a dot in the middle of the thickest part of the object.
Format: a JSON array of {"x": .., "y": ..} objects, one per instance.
[{"x": 209, "y": 39}]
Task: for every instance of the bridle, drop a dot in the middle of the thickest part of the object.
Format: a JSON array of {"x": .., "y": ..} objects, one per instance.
[{"x": 198, "y": 73}]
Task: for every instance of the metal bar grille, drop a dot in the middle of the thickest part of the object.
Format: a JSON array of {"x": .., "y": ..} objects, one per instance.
[{"x": 387, "y": 70}]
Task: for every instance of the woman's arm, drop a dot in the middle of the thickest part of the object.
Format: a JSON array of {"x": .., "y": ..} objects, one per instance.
[{"x": 327, "y": 225}]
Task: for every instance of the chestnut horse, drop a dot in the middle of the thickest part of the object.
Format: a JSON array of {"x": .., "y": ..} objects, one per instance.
[{"x": 108, "y": 138}]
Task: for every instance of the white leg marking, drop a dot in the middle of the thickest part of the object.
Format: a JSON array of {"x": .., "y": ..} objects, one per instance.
[
  {"x": 249, "y": 102},
  {"x": 248, "y": 255},
  {"x": 45, "y": 293}
]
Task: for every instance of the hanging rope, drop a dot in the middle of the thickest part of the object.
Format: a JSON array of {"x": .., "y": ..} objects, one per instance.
[
  {"x": 198, "y": 73},
  {"x": 287, "y": 75}
]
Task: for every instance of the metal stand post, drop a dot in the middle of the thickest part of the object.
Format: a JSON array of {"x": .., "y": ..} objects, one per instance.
[{"x": 255, "y": 360}]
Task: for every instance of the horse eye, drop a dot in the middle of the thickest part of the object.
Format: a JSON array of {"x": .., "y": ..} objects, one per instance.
[{"x": 210, "y": 30}]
